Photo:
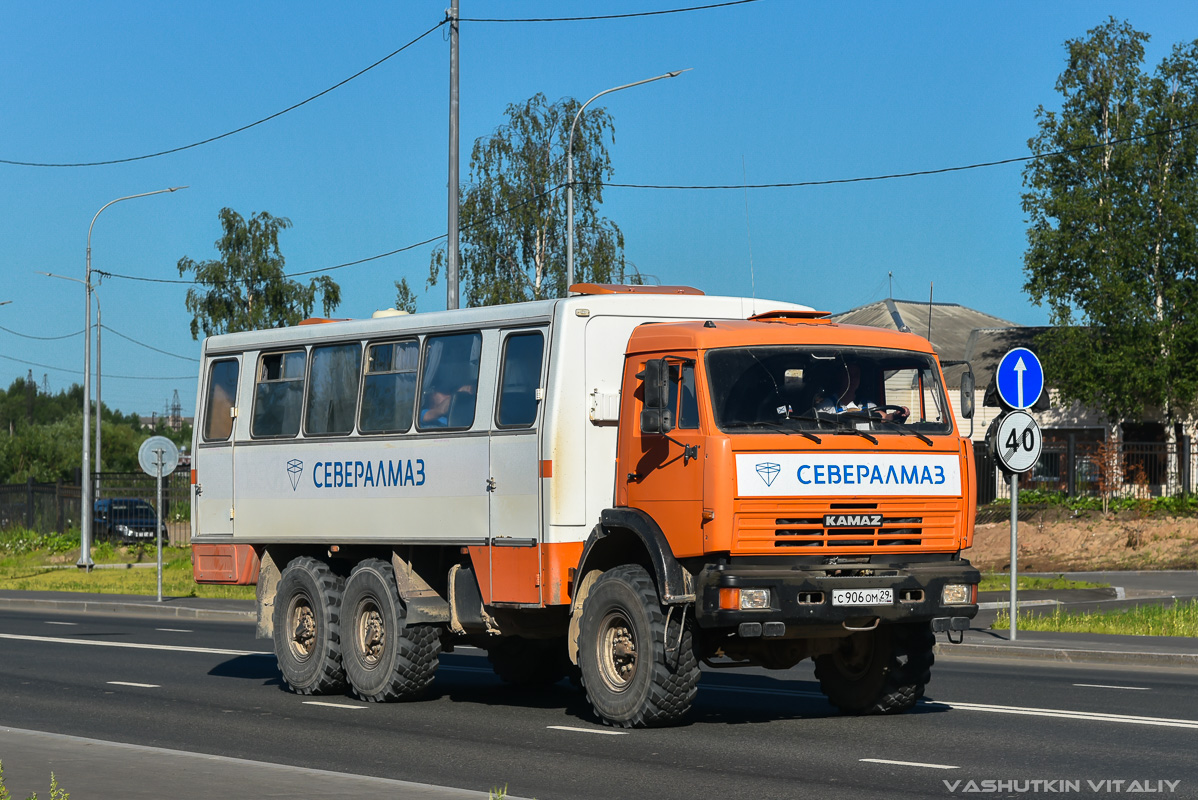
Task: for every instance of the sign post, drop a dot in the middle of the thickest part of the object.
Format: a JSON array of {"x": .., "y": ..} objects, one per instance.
[
  {"x": 1017, "y": 443},
  {"x": 158, "y": 456}
]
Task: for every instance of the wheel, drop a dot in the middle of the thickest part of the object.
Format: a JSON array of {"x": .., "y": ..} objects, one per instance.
[
  {"x": 883, "y": 671},
  {"x": 307, "y": 618},
  {"x": 637, "y": 673},
  {"x": 529, "y": 662},
  {"x": 385, "y": 660}
]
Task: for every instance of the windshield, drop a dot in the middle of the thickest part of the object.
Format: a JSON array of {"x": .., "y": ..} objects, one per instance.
[{"x": 867, "y": 390}]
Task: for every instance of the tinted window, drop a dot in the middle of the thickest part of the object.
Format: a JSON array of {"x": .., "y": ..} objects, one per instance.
[
  {"x": 222, "y": 396},
  {"x": 389, "y": 394},
  {"x": 450, "y": 381},
  {"x": 333, "y": 388},
  {"x": 521, "y": 378},
  {"x": 279, "y": 394}
]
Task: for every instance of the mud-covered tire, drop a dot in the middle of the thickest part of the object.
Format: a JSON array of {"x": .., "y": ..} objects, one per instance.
[
  {"x": 385, "y": 660},
  {"x": 632, "y": 677},
  {"x": 307, "y": 627},
  {"x": 883, "y": 671},
  {"x": 529, "y": 662}
]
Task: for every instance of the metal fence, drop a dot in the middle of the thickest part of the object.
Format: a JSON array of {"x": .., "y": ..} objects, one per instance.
[
  {"x": 55, "y": 507},
  {"x": 1077, "y": 469}
]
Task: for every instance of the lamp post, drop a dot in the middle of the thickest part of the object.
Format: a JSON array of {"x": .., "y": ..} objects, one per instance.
[
  {"x": 85, "y": 493},
  {"x": 570, "y": 168}
]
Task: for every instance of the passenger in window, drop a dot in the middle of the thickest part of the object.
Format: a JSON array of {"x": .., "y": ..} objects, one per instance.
[
  {"x": 843, "y": 397},
  {"x": 440, "y": 401}
]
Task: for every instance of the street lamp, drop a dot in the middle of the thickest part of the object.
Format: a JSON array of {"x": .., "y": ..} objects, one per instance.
[
  {"x": 570, "y": 168},
  {"x": 85, "y": 494}
]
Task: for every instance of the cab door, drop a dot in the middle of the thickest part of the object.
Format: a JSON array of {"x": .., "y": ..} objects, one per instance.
[
  {"x": 665, "y": 475},
  {"x": 514, "y": 487},
  {"x": 212, "y": 463}
]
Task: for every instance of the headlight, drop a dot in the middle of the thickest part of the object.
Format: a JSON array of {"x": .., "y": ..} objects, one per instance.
[
  {"x": 744, "y": 599},
  {"x": 123, "y": 530},
  {"x": 957, "y": 594}
]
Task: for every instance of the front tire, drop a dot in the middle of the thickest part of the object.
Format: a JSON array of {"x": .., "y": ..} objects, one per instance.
[
  {"x": 884, "y": 671},
  {"x": 385, "y": 660},
  {"x": 307, "y": 620},
  {"x": 637, "y": 671}
]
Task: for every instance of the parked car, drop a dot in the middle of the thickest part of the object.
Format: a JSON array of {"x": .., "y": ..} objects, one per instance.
[{"x": 124, "y": 519}]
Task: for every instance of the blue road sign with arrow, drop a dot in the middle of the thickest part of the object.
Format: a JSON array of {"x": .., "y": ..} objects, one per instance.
[{"x": 1019, "y": 378}]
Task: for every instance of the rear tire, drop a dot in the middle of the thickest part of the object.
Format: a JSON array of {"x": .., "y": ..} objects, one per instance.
[
  {"x": 307, "y": 619},
  {"x": 630, "y": 678},
  {"x": 880, "y": 672},
  {"x": 385, "y": 660}
]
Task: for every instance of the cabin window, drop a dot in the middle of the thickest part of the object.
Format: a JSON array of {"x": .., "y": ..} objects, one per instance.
[
  {"x": 222, "y": 397},
  {"x": 449, "y": 384},
  {"x": 521, "y": 377},
  {"x": 333, "y": 388},
  {"x": 279, "y": 394},
  {"x": 389, "y": 392}
]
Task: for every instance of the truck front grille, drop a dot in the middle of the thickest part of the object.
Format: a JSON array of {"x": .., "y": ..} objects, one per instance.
[{"x": 905, "y": 525}]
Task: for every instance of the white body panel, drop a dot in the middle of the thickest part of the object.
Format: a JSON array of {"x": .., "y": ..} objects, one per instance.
[{"x": 586, "y": 337}]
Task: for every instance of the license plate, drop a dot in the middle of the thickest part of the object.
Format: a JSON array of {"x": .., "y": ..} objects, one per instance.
[{"x": 862, "y": 597}]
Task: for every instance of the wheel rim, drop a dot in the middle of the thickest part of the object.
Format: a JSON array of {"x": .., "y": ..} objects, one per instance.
[
  {"x": 854, "y": 656},
  {"x": 370, "y": 634},
  {"x": 302, "y": 625},
  {"x": 617, "y": 651}
]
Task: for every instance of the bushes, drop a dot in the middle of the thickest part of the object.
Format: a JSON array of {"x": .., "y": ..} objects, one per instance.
[{"x": 19, "y": 542}]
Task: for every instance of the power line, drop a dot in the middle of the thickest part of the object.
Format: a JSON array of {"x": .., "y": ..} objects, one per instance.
[
  {"x": 615, "y": 16},
  {"x": 915, "y": 174},
  {"x": 106, "y": 375},
  {"x": 148, "y": 347},
  {"x": 354, "y": 263},
  {"x": 235, "y": 131},
  {"x": 41, "y": 338}
]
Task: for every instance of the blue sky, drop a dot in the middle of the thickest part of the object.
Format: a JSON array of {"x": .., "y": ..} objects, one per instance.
[{"x": 797, "y": 90}]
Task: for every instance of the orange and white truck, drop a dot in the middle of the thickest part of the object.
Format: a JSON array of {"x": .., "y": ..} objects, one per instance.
[{"x": 622, "y": 484}]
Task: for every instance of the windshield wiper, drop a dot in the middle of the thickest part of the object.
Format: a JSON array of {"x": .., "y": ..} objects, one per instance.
[
  {"x": 905, "y": 431},
  {"x": 777, "y": 427},
  {"x": 850, "y": 429}
]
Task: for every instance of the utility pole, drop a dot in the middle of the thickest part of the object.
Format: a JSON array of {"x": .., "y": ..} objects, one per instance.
[{"x": 451, "y": 265}]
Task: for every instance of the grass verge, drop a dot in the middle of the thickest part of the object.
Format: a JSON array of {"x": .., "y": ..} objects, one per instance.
[
  {"x": 998, "y": 581},
  {"x": 1179, "y": 619},
  {"x": 36, "y": 562}
]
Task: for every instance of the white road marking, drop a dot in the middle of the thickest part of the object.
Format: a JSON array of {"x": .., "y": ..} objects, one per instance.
[
  {"x": 1162, "y": 722},
  {"x": 333, "y": 705},
  {"x": 135, "y": 685},
  {"x": 602, "y": 731},
  {"x": 173, "y": 630},
  {"x": 48, "y": 622},
  {"x": 135, "y": 646},
  {"x": 907, "y": 763},
  {"x": 1105, "y": 686}
]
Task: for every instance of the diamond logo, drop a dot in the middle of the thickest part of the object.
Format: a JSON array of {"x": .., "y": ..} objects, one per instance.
[
  {"x": 295, "y": 468},
  {"x": 768, "y": 472}
]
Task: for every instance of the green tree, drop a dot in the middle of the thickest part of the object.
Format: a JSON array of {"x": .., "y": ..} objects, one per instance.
[
  {"x": 405, "y": 298},
  {"x": 246, "y": 288},
  {"x": 1112, "y": 238},
  {"x": 513, "y": 207}
]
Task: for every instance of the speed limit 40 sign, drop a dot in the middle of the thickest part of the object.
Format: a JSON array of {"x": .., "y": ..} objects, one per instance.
[{"x": 1018, "y": 442}]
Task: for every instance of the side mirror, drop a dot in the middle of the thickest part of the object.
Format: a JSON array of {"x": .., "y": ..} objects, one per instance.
[
  {"x": 656, "y": 416},
  {"x": 967, "y": 389}
]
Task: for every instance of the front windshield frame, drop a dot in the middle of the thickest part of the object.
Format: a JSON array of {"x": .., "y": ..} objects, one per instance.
[{"x": 770, "y": 388}]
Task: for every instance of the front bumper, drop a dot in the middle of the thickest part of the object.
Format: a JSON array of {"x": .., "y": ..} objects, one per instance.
[{"x": 802, "y": 596}]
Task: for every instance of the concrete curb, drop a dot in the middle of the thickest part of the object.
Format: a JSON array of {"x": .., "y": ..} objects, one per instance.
[
  {"x": 150, "y": 609},
  {"x": 1067, "y": 655}
]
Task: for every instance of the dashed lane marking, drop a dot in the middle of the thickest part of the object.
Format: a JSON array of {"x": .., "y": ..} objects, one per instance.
[
  {"x": 173, "y": 630},
  {"x": 907, "y": 763},
  {"x": 135, "y": 685},
  {"x": 601, "y": 731},
  {"x": 135, "y": 646},
  {"x": 1105, "y": 686},
  {"x": 333, "y": 705},
  {"x": 51, "y": 622},
  {"x": 1162, "y": 722}
]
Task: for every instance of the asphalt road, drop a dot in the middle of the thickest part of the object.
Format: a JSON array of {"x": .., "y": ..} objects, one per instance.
[{"x": 205, "y": 687}]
